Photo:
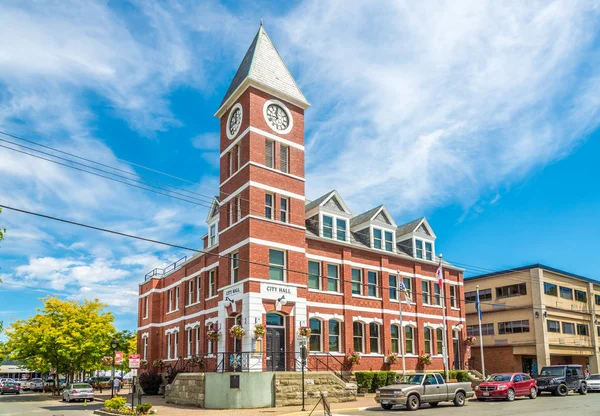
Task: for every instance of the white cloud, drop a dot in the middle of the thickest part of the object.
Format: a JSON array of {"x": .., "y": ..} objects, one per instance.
[{"x": 420, "y": 105}]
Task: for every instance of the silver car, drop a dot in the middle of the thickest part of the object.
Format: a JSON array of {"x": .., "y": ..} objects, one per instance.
[
  {"x": 78, "y": 391},
  {"x": 593, "y": 383}
]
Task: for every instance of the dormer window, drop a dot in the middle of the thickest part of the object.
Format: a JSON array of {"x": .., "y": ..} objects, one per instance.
[
  {"x": 341, "y": 226},
  {"x": 383, "y": 240},
  {"x": 389, "y": 241},
  {"x": 423, "y": 249},
  {"x": 377, "y": 238},
  {"x": 327, "y": 226},
  {"x": 337, "y": 232},
  {"x": 213, "y": 237}
]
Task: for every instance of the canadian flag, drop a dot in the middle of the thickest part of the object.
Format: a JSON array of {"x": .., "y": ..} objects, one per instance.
[{"x": 439, "y": 273}]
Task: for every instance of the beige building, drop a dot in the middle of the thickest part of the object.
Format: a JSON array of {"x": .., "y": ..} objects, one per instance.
[{"x": 534, "y": 316}]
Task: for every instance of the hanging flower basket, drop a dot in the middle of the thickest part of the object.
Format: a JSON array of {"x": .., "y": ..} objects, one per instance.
[
  {"x": 259, "y": 331},
  {"x": 237, "y": 331},
  {"x": 213, "y": 334},
  {"x": 425, "y": 359},
  {"x": 304, "y": 331},
  {"x": 392, "y": 358},
  {"x": 197, "y": 359},
  {"x": 158, "y": 363},
  {"x": 470, "y": 340},
  {"x": 143, "y": 363},
  {"x": 353, "y": 358},
  {"x": 106, "y": 361}
]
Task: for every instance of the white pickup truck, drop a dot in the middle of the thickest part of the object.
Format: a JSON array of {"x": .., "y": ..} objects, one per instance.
[{"x": 416, "y": 389}]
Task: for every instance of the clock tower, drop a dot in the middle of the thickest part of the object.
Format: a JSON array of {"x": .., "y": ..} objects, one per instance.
[{"x": 262, "y": 200}]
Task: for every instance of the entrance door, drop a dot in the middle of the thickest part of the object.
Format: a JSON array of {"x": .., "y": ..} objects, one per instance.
[
  {"x": 275, "y": 342},
  {"x": 456, "y": 348}
]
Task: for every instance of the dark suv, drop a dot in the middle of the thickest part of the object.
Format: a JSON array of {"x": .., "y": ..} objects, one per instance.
[{"x": 560, "y": 379}]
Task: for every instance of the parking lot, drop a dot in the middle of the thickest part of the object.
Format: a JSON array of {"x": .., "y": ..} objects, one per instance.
[
  {"x": 30, "y": 403},
  {"x": 546, "y": 405}
]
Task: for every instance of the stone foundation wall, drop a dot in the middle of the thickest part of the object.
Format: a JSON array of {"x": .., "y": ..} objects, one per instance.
[
  {"x": 288, "y": 388},
  {"x": 187, "y": 389}
]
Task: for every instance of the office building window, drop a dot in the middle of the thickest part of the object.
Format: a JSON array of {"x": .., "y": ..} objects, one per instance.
[
  {"x": 581, "y": 296},
  {"x": 190, "y": 292},
  {"x": 439, "y": 338},
  {"x": 486, "y": 329},
  {"x": 553, "y": 326},
  {"x": 437, "y": 295},
  {"x": 419, "y": 249},
  {"x": 332, "y": 278},
  {"x": 550, "y": 289},
  {"x": 409, "y": 340},
  {"x": 198, "y": 289},
  {"x": 583, "y": 329},
  {"x": 453, "y": 300},
  {"x": 276, "y": 265},
  {"x": 389, "y": 241},
  {"x": 357, "y": 281},
  {"x": 568, "y": 328},
  {"x": 334, "y": 336},
  {"x": 327, "y": 226},
  {"x": 315, "y": 343},
  {"x": 341, "y": 225},
  {"x": 425, "y": 292},
  {"x": 597, "y": 298},
  {"x": 510, "y": 291},
  {"x": 566, "y": 293},
  {"x": 212, "y": 280},
  {"x": 374, "y": 337},
  {"x": 284, "y": 208},
  {"x": 377, "y": 238},
  {"x": 427, "y": 338},
  {"x": 514, "y": 327},
  {"x": 393, "y": 286},
  {"x": 269, "y": 206},
  {"x": 314, "y": 275},
  {"x": 358, "y": 331},
  {"x": 428, "y": 251},
  {"x": 235, "y": 267},
  {"x": 395, "y": 337},
  {"x": 372, "y": 284},
  {"x": 212, "y": 234}
]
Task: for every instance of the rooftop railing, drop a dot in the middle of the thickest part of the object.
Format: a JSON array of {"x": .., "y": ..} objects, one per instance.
[{"x": 160, "y": 273}]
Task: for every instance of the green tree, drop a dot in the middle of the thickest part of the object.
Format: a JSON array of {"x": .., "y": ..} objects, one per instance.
[
  {"x": 66, "y": 336},
  {"x": 127, "y": 344}
]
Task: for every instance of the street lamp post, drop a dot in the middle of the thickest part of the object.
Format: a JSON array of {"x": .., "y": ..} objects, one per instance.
[
  {"x": 303, "y": 358},
  {"x": 113, "y": 345}
]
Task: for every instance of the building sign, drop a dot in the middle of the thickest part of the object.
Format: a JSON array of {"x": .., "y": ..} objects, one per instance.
[
  {"x": 118, "y": 358},
  {"x": 234, "y": 291},
  {"x": 134, "y": 361},
  {"x": 277, "y": 290}
]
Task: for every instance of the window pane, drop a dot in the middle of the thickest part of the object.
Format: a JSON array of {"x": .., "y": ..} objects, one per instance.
[
  {"x": 374, "y": 337},
  {"x": 314, "y": 275},
  {"x": 332, "y": 281},
  {"x": 274, "y": 319},
  {"x": 550, "y": 289},
  {"x": 372, "y": 284},
  {"x": 376, "y": 238},
  {"x": 356, "y": 281},
  {"x": 393, "y": 284},
  {"x": 408, "y": 338},
  {"x": 566, "y": 293},
  {"x": 395, "y": 336},
  {"x": 425, "y": 293},
  {"x": 389, "y": 241},
  {"x": 334, "y": 336},
  {"x": 327, "y": 226},
  {"x": 439, "y": 337},
  {"x": 357, "y": 328},
  {"x": 315, "y": 334},
  {"x": 341, "y": 229},
  {"x": 276, "y": 259}
]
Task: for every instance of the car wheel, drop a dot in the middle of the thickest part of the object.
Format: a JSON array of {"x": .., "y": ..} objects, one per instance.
[
  {"x": 413, "y": 402},
  {"x": 459, "y": 399},
  {"x": 387, "y": 406},
  {"x": 510, "y": 395},
  {"x": 434, "y": 404},
  {"x": 583, "y": 388},
  {"x": 562, "y": 390},
  {"x": 533, "y": 393}
]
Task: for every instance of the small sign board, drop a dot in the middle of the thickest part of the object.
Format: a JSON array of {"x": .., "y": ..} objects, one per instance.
[
  {"x": 234, "y": 381},
  {"x": 134, "y": 361},
  {"x": 119, "y": 358}
]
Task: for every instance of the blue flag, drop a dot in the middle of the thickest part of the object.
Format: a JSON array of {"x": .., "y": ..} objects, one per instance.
[{"x": 477, "y": 305}]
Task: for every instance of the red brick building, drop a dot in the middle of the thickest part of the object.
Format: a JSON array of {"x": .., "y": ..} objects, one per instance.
[{"x": 273, "y": 258}]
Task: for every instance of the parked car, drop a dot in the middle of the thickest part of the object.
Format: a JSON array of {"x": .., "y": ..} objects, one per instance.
[
  {"x": 5, "y": 380},
  {"x": 506, "y": 386},
  {"x": 36, "y": 384},
  {"x": 560, "y": 379},
  {"x": 416, "y": 389},
  {"x": 78, "y": 391},
  {"x": 10, "y": 387},
  {"x": 593, "y": 382},
  {"x": 25, "y": 384}
]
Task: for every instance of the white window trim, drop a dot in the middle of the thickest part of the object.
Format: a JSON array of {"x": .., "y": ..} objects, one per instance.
[
  {"x": 340, "y": 322},
  {"x": 319, "y": 277},
  {"x": 198, "y": 294},
  {"x": 190, "y": 292},
  {"x": 230, "y": 206},
  {"x": 146, "y": 307},
  {"x": 320, "y": 335},
  {"x": 423, "y": 240},
  {"x": 233, "y": 269},
  {"x": 212, "y": 237},
  {"x": 211, "y": 284},
  {"x": 378, "y": 338},
  {"x": 376, "y": 285},
  {"x": 327, "y": 277},
  {"x": 239, "y": 208},
  {"x": 362, "y": 337},
  {"x": 272, "y": 206},
  {"x": 334, "y": 225},
  {"x": 281, "y": 210},
  {"x": 238, "y": 148},
  {"x": 360, "y": 284},
  {"x": 383, "y": 230},
  {"x": 277, "y": 265}
]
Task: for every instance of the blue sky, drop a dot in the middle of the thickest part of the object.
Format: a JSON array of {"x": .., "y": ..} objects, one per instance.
[{"x": 482, "y": 116}]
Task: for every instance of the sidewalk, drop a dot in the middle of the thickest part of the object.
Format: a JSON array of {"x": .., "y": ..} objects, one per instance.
[{"x": 165, "y": 408}]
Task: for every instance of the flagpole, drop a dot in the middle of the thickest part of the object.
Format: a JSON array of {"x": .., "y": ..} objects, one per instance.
[
  {"x": 445, "y": 333},
  {"x": 478, "y": 307},
  {"x": 402, "y": 344}
]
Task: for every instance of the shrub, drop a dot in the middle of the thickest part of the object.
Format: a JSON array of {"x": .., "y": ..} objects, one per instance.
[
  {"x": 150, "y": 383},
  {"x": 116, "y": 403},
  {"x": 364, "y": 379},
  {"x": 391, "y": 378},
  {"x": 143, "y": 408},
  {"x": 459, "y": 375},
  {"x": 379, "y": 380}
]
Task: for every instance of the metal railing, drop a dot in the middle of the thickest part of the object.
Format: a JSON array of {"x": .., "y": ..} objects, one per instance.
[
  {"x": 169, "y": 269},
  {"x": 327, "y": 362}
]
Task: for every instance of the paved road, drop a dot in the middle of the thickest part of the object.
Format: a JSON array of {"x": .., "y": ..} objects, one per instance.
[
  {"x": 546, "y": 405},
  {"x": 28, "y": 403}
]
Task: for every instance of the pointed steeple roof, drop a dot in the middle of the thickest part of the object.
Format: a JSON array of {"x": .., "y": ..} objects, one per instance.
[{"x": 263, "y": 67}]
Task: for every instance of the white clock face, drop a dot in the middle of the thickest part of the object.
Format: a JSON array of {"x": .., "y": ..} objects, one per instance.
[
  {"x": 277, "y": 117},
  {"x": 234, "y": 121}
]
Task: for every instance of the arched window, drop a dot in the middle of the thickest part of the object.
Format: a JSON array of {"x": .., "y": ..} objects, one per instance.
[
  {"x": 395, "y": 337},
  {"x": 334, "y": 336},
  {"x": 439, "y": 338},
  {"x": 409, "y": 340},
  {"x": 374, "y": 337},
  {"x": 427, "y": 336},
  {"x": 315, "y": 342},
  {"x": 358, "y": 333},
  {"x": 190, "y": 339}
]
